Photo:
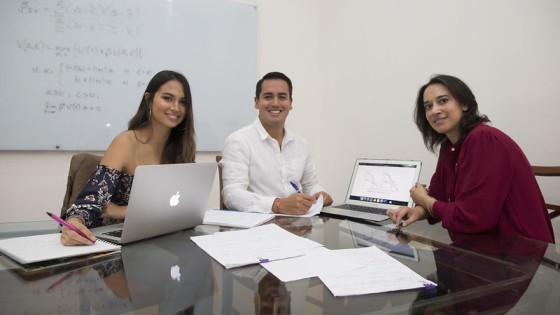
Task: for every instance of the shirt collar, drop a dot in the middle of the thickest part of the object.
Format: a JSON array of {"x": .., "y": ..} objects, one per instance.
[
  {"x": 260, "y": 129},
  {"x": 451, "y": 148},
  {"x": 263, "y": 135}
]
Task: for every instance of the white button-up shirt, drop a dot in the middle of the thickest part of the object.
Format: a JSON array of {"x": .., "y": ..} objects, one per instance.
[{"x": 255, "y": 171}]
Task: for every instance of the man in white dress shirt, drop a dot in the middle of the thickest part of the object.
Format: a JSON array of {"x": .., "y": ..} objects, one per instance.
[{"x": 266, "y": 168}]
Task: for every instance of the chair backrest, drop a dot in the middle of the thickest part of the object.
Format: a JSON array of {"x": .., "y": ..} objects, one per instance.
[
  {"x": 218, "y": 159},
  {"x": 82, "y": 167},
  {"x": 549, "y": 171}
]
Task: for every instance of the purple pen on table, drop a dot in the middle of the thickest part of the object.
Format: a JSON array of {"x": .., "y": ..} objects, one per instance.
[
  {"x": 263, "y": 260},
  {"x": 68, "y": 225}
]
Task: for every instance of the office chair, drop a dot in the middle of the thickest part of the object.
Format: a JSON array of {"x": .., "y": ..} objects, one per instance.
[
  {"x": 218, "y": 159},
  {"x": 549, "y": 171},
  {"x": 82, "y": 167}
]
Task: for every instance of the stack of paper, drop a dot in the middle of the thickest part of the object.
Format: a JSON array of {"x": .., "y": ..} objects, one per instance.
[
  {"x": 350, "y": 271},
  {"x": 236, "y": 218},
  {"x": 252, "y": 246},
  {"x": 289, "y": 257},
  {"x": 379, "y": 272}
]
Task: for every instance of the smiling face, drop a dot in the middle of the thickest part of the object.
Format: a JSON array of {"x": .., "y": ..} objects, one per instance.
[
  {"x": 274, "y": 104},
  {"x": 443, "y": 112},
  {"x": 168, "y": 104}
]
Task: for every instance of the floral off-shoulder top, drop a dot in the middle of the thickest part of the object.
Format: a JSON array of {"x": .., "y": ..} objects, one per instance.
[{"x": 106, "y": 185}]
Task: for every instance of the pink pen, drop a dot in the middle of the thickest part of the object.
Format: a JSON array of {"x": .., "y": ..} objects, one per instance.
[
  {"x": 68, "y": 225},
  {"x": 61, "y": 280}
]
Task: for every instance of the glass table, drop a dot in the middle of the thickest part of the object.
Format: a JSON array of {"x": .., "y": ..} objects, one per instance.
[{"x": 486, "y": 274}]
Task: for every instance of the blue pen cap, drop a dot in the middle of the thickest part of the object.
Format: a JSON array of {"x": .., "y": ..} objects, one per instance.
[{"x": 296, "y": 187}]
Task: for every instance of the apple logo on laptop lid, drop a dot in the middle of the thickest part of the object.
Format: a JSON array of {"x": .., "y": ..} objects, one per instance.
[
  {"x": 175, "y": 273},
  {"x": 174, "y": 200}
]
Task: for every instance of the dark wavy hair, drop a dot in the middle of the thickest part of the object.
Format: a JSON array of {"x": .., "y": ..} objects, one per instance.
[
  {"x": 464, "y": 96},
  {"x": 273, "y": 76},
  {"x": 181, "y": 144}
]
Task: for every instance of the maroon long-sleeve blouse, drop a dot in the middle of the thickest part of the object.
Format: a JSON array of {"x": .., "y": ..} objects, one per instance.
[{"x": 485, "y": 183}]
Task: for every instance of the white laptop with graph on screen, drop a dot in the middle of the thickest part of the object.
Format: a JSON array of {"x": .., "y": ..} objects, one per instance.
[{"x": 378, "y": 185}]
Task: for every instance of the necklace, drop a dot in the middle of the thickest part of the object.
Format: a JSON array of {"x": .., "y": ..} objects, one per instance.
[{"x": 136, "y": 137}]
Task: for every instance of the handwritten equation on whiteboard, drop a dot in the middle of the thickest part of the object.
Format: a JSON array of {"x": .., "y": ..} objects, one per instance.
[
  {"x": 89, "y": 63},
  {"x": 77, "y": 69}
]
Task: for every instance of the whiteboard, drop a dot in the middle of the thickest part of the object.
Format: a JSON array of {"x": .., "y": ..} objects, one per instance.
[{"x": 73, "y": 72}]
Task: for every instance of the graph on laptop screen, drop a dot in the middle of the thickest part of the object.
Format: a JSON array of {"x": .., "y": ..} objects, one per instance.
[{"x": 383, "y": 183}]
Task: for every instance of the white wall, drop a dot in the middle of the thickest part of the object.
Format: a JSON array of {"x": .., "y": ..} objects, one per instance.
[{"x": 356, "y": 67}]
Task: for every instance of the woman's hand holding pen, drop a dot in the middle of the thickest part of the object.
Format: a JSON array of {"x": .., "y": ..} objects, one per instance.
[{"x": 69, "y": 237}]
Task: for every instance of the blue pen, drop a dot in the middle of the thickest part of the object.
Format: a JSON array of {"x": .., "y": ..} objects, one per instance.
[{"x": 295, "y": 186}]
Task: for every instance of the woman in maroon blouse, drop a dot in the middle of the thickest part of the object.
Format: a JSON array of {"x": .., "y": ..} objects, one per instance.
[{"x": 483, "y": 182}]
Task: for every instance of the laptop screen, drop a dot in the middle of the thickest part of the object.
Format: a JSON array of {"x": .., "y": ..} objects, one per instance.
[{"x": 383, "y": 182}]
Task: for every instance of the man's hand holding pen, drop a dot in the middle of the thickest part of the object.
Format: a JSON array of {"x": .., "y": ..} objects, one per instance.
[
  {"x": 295, "y": 204},
  {"x": 299, "y": 203}
]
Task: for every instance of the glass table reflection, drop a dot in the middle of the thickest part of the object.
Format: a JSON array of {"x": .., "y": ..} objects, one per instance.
[{"x": 171, "y": 275}]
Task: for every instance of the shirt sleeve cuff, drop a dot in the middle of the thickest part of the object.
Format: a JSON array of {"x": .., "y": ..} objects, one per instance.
[
  {"x": 267, "y": 203},
  {"x": 436, "y": 209},
  {"x": 77, "y": 217}
]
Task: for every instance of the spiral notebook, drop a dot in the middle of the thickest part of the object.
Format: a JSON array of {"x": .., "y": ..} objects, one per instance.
[{"x": 31, "y": 249}]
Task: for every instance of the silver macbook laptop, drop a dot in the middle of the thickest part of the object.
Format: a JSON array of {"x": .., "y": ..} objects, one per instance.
[
  {"x": 376, "y": 186},
  {"x": 163, "y": 199}
]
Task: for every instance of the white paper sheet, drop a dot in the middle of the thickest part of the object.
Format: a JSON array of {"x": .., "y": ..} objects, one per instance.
[
  {"x": 317, "y": 261},
  {"x": 251, "y": 246},
  {"x": 381, "y": 273}
]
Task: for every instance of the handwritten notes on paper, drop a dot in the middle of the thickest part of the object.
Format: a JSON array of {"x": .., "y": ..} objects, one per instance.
[
  {"x": 349, "y": 271},
  {"x": 379, "y": 273},
  {"x": 252, "y": 246},
  {"x": 289, "y": 257}
]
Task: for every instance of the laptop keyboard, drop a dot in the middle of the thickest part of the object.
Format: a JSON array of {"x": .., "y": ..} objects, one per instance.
[
  {"x": 115, "y": 233},
  {"x": 363, "y": 209}
]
